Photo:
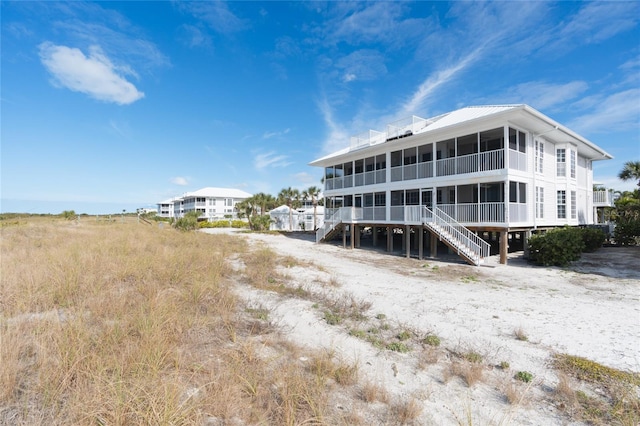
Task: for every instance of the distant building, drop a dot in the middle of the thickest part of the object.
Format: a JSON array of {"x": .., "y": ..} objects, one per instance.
[
  {"x": 212, "y": 203},
  {"x": 462, "y": 177}
]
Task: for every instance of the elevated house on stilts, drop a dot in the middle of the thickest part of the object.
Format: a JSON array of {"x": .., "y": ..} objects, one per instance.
[{"x": 475, "y": 178}]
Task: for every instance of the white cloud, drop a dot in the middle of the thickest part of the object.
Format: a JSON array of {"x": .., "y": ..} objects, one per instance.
[
  {"x": 338, "y": 136},
  {"x": 94, "y": 75},
  {"x": 434, "y": 81},
  {"x": 542, "y": 95},
  {"x": 216, "y": 14},
  {"x": 270, "y": 159},
  {"x": 179, "y": 180},
  {"x": 620, "y": 111}
]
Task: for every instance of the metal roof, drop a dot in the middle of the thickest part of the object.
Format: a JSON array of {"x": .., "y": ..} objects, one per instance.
[{"x": 529, "y": 117}]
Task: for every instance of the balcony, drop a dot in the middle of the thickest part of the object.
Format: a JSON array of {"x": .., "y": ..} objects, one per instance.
[{"x": 603, "y": 199}]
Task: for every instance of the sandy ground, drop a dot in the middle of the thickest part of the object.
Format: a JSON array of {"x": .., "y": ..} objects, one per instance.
[{"x": 591, "y": 309}]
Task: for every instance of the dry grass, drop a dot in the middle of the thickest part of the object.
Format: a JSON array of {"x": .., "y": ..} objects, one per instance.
[
  {"x": 120, "y": 323},
  {"x": 406, "y": 411},
  {"x": 613, "y": 398},
  {"x": 520, "y": 334},
  {"x": 470, "y": 372},
  {"x": 372, "y": 392}
]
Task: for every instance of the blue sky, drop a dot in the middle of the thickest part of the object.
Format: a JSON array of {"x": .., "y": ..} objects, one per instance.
[{"x": 119, "y": 105}]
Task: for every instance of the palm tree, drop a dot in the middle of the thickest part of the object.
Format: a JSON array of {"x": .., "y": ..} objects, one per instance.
[
  {"x": 312, "y": 193},
  {"x": 290, "y": 197},
  {"x": 631, "y": 171},
  {"x": 246, "y": 208},
  {"x": 264, "y": 201}
]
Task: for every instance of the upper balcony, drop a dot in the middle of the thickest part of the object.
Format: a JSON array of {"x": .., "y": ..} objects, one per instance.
[{"x": 603, "y": 198}]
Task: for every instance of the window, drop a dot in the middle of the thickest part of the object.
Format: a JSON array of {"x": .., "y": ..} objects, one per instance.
[
  {"x": 359, "y": 166},
  {"x": 539, "y": 160},
  {"x": 397, "y": 198},
  {"x": 348, "y": 169},
  {"x": 517, "y": 140},
  {"x": 562, "y": 204},
  {"x": 425, "y": 153},
  {"x": 491, "y": 140},
  {"x": 228, "y": 202},
  {"x": 328, "y": 172},
  {"x": 573, "y": 205},
  {"x": 410, "y": 156},
  {"x": 573, "y": 163},
  {"x": 396, "y": 158},
  {"x": 412, "y": 197},
  {"x": 468, "y": 144},
  {"x": 381, "y": 162},
  {"x": 380, "y": 199},
  {"x": 368, "y": 200},
  {"x": 561, "y": 161},
  {"x": 517, "y": 192},
  {"x": 539, "y": 202},
  {"x": 369, "y": 164}
]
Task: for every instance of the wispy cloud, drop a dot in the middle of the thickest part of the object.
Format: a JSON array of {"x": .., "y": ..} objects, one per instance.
[
  {"x": 122, "y": 129},
  {"x": 179, "y": 180},
  {"x": 270, "y": 159},
  {"x": 270, "y": 135},
  {"x": 337, "y": 135},
  {"x": 362, "y": 65},
  {"x": 435, "y": 81},
  {"x": 216, "y": 14},
  {"x": 94, "y": 75},
  {"x": 543, "y": 95},
  {"x": 598, "y": 21},
  {"x": 620, "y": 111},
  {"x": 193, "y": 36},
  {"x": 86, "y": 24},
  {"x": 378, "y": 22}
]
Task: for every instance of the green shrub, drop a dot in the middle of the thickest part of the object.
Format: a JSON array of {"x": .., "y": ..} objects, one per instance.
[
  {"x": 431, "y": 340},
  {"x": 225, "y": 223},
  {"x": 398, "y": 347},
  {"x": 523, "y": 376},
  {"x": 593, "y": 238},
  {"x": 627, "y": 232},
  {"x": 404, "y": 335},
  {"x": 187, "y": 223},
  {"x": 556, "y": 247},
  {"x": 261, "y": 223}
]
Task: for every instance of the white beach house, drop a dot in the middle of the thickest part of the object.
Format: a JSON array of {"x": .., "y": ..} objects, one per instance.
[
  {"x": 466, "y": 178},
  {"x": 212, "y": 203}
]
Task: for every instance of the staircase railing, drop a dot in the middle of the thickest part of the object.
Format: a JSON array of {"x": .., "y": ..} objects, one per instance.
[
  {"x": 343, "y": 214},
  {"x": 463, "y": 237}
]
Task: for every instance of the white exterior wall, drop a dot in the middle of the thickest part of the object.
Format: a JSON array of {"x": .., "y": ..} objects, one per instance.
[{"x": 553, "y": 139}]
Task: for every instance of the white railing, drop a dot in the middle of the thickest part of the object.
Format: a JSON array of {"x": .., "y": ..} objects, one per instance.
[
  {"x": 446, "y": 166},
  {"x": 602, "y": 198},
  {"x": 409, "y": 172},
  {"x": 396, "y": 174},
  {"x": 343, "y": 214},
  {"x": 474, "y": 247},
  {"x": 467, "y": 164},
  {"x": 378, "y": 214},
  {"x": 517, "y": 160},
  {"x": 491, "y": 160},
  {"x": 475, "y": 212},
  {"x": 413, "y": 214},
  {"x": 370, "y": 137},
  {"x": 518, "y": 212},
  {"x": 425, "y": 170}
]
